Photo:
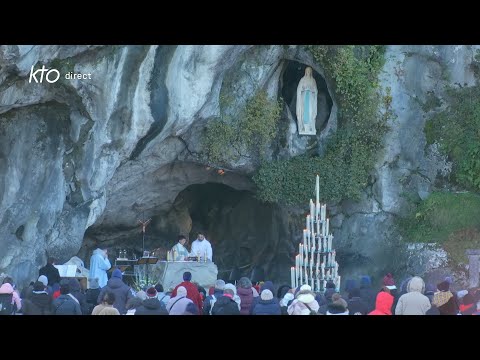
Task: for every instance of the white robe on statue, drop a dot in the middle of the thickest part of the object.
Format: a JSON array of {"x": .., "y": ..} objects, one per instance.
[{"x": 306, "y": 108}]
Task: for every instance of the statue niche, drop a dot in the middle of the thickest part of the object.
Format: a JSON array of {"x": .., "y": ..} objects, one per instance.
[{"x": 307, "y": 104}]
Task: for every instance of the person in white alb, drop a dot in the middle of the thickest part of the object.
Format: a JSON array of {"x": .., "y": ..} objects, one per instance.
[
  {"x": 201, "y": 247},
  {"x": 179, "y": 249}
]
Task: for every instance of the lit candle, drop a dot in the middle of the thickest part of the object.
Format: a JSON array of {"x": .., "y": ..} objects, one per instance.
[
  {"x": 333, "y": 257},
  {"x": 313, "y": 243},
  {"x": 338, "y": 284},
  {"x": 292, "y": 276},
  {"x": 323, "y": 270},
  {"x": 312, "y": 209},
  {"x": 317, "y": 189},
  {"x": 328, "y": 227},
  {"x": 330, "y": 238}
]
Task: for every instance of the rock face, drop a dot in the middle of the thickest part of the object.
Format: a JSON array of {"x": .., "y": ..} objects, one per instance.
[
  {"x": 417, "y": 77},
  {"x": 98, "y": 153}
]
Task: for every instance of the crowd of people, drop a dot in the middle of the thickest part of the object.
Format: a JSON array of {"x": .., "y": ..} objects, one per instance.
[{"x": 51, "y": 295}]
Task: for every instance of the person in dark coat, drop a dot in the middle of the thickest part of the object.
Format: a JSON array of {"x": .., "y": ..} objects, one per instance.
[
  {"x": 367, "y": 294},
  {"x": 76, "y": 291},
  {"x": 66, "y": 304},
  {"x": 267, "y": 285},
  {"x": 211, "y": 299},
  {"x": 469, "y": 306},
  {"x": 444, "y": 300},
  {"x": 151, "y": 305},
  {"x": 27, "y": 291},
  {"x": 121, "y": 291},
  {"x": 266, "y": 305},
  {"x": 330, "y": 290},
  {"x": 191, "y": 309},
  {"x": 39, "y": 302},
  {"x": 225, "y": 305},
  {"x": 282, "y": 290},
  {"x": 91, "y": 295},
  {"x": 338, "y": 306},
  {"x": 356, "y": 306},
  {"x": 350, "y": 284},
  {"x": 51, "y": 272},
  {"x": 429, "y": 293}
]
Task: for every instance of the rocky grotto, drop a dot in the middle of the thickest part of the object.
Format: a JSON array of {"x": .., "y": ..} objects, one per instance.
[{"x": 181, "y": 135}]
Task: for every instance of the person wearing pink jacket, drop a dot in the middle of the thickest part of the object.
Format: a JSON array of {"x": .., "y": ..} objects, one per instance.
[{"x": 7, "y": 288}]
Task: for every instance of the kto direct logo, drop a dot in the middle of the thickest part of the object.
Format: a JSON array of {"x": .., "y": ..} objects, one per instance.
[{"x": 52, "y": 75}]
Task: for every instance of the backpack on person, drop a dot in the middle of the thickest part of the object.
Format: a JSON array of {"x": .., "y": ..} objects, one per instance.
[{"x": 6, "y": 304}]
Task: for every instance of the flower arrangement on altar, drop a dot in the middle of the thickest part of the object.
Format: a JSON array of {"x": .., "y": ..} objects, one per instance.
[{"x": 315, "y": 263}]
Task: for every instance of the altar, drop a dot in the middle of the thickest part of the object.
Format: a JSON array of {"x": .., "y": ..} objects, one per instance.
[{"x": 170, "y": 273}]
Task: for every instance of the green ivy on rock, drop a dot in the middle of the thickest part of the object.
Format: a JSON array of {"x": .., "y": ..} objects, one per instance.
[
  {"x": 351, "y": 152},
  {"x": 457, "y": 131},
  {"x": 249, "y": 133},
  {"x": 450, "y": 219}
]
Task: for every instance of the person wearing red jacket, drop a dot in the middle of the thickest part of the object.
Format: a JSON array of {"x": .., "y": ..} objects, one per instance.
[
  {"x": 383, "y": 304},
  {"x": 192, "y": 290}
]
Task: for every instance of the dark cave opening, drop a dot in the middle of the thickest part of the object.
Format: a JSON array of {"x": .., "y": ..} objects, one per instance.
[{"x": 246, "y": 234}]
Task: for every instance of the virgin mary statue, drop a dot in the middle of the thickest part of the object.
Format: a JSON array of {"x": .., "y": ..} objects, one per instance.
[{"x": 307, "y": 103}]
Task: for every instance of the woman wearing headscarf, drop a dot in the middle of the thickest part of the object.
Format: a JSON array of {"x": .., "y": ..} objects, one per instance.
[{"x": 444, "y": 299}]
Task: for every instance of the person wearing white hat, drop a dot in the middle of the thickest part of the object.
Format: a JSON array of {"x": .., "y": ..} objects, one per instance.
[
  {"x": 267, "y": 304},
  {"x": 177, "y": 305},
  {"x": 235, "y": 296},
  {"x": 304, "y": 304}
]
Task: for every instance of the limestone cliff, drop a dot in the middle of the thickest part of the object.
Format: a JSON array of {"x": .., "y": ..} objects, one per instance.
[{"x": 82, "y": 160}]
